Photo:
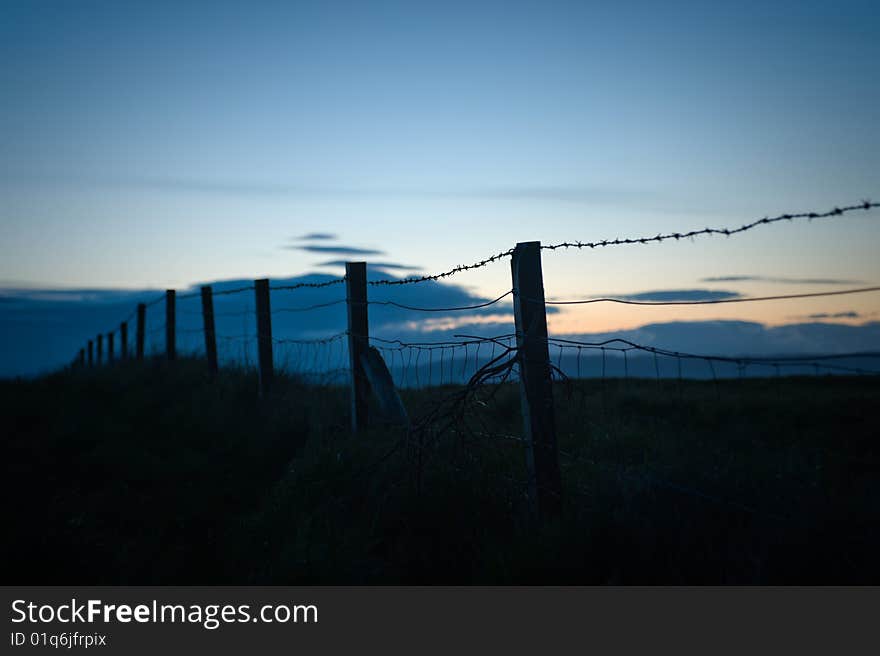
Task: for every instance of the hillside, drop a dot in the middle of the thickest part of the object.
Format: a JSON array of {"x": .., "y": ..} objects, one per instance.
[{"x": 157, "y": 474}]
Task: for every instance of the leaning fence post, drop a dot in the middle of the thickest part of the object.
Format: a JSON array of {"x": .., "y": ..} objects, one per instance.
[
  {"x": 264, "y": 334},
  {"x": 358, "y": 341},
  {"x": 170, "y": 332},
  {"x": 141, "y": 325},
  {"x": 91, "y": 353},
  {"x": 123, "y": 340},
  {"x": 100, "y": 348},
  {"x": 536, "y": 392},
  {"x": 110, "y": 347},
  {"x": 210, "y": 334}
]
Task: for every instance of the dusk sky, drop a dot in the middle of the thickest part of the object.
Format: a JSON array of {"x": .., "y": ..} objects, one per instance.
[{"x": 166, "y": 143}]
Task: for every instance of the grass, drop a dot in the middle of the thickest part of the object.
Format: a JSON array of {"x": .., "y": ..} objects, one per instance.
[{"x": 159, "y": 474}]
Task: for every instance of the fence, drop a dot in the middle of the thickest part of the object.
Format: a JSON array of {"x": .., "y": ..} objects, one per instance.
[{"x": 528, "y": 358}]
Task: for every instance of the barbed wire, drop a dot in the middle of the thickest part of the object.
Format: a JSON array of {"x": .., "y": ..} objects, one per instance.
[
  {"x": 236, "y": 290},
  {"x": 155, "y": 301},
  {"x": 837, "y": 211},
  {"x": 308, "y": 285},
  {"x": 188, "y": 295},
  {"x": 445, "y": 274},
  {"x": 713, "y": 301}
]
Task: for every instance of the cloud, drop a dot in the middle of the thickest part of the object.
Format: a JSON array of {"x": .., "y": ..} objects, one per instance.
[
  {"x": 741, "y": 338},
  {"x": 835, "y": 315},
  {"x": 730, "y": 339},
  {"x": 336, "y": 250},
  {"x": 784, "y": 281},
  {"x": 380, "y": 265},
  {"x": 674, "y": 295},
  {"x": 570, "y": 193},
  {"x": 205, "y": 186},
  {"x": 718, "y": 338},
  {"x": 54, "y": 295},
  {"x": 317, "y": 236},
  {"x": 43, "y": 329},
  {"x": 565, "y": 193}
]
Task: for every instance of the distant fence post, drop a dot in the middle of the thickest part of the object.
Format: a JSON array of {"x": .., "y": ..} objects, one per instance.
[
  {"x": 358, "y": 341},
  {"x": 82, "y": 358},
  {"x": 141, "y": 326},
  {"x": 123, "y": 340},
  {"x": 170, "y": 332},
  {"x": 91, "y": 353},
  {"x": 210, "y": 334},
  {"x": 536, "y": 392},
  {"x": 264, "y": 334},
  {"x": 100, "y": 348},
  {"x": 110, "y": 353}
]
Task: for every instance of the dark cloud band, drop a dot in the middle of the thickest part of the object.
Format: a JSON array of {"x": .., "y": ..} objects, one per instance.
[
  {"x": 317, "y": 236},
  {"x": 677, "y": 295},
  {"x": 784, "y": 281},
  {"x": 336, "y": 250},
  {"x": 380, "y": 265}
]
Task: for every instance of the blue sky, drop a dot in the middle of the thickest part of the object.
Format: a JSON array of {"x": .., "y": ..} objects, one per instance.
[{"x": 160, "y": 144}]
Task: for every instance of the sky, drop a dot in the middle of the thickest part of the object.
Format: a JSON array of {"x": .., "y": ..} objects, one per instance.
[{"x": 160, "y": 144}]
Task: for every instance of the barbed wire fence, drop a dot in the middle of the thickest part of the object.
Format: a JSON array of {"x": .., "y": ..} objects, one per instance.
[{"x": 491, "y": 397}]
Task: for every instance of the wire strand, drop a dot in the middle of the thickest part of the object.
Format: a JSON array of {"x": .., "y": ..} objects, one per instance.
[
  {"x": 837, "y": 211},
  {"x": 714, "y": 301},
  {"x": 443, "y": 309}
]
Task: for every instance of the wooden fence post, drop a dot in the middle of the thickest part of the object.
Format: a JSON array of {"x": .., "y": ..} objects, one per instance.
[
  {"x": 536, "y": 391},
  {"x": 100, "y": 349},
  {"x": 91, "y": 353},
  {"x": 82, "y": 358},
  {"x": 141, "y": 325},
  {"x": 358, "y": 341},
  {"x": 264, "y": 334},
  {"x": 170, "y": 332},
  {"x": 210, "y": 334},
  {"x": 110, "y": 353},
  {"x": 123, "y": 340}
]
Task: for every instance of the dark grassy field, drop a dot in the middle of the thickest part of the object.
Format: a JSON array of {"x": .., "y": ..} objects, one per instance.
[{"x": 156, "y": 474}]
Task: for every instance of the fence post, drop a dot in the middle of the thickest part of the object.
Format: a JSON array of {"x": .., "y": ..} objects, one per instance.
[
  {"x": 91, "y": 353},
  {"x": 123, "y": 340},
  {"x": 110, "y": 347},
  {"x": 264, "y": 334},
  {"x": 210, "y": 334},
  {"x": 100, "y": 349},
  {"x": 82, "y": 358},
  {"x": 139, "y": 337},
  {"x": 170, "y": 332},
  {"x": 358, "y": 341},
  {"x": 536, "y": 391}
]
